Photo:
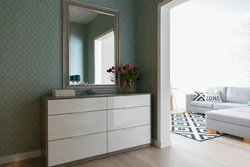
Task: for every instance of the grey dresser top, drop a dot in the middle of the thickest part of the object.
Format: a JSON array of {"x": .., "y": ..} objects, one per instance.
[{"x": 94, "y": 95}]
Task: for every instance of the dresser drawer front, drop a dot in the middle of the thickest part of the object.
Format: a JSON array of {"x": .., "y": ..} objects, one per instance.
[
  {"x": 69, "y": 125},
  {"x": 76, "y": 105},
  {"x": 128, "y": 101},
  {"x": 127, "y": 138},
  {"x": 67, "y": 150},
  {"x": 128, "y": 117}
]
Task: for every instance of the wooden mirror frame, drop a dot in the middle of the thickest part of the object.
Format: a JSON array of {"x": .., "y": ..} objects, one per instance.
[{"x": 66, "y": 77}]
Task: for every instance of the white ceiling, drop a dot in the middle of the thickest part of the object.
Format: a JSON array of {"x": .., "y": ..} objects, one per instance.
[
  {"x": 79, "y": 15},
  {"x": 221, "y": 8}
]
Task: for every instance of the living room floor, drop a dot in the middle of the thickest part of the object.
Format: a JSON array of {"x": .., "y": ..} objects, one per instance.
[{"x": 225, "y": 151}]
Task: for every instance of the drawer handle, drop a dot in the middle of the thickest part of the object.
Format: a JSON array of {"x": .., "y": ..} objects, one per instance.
[
  {"x": 127, "y": 129},
  {"x": 84, "y": 112},
  {"x": 80, "y": 136}
]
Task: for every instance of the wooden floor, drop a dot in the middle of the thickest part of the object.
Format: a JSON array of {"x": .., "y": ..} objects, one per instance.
[{"x": 226, "y": 151}]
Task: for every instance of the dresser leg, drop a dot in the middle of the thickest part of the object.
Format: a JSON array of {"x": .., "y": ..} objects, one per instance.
[{"x": 189, "y": 112}]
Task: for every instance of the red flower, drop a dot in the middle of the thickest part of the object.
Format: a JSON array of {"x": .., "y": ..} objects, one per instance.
[
  {"x": 109, "y": 70},
  {"x": 128, "y": 65},
  {"x": 113, "y": 67},
  {"x": 120, "y": 69},
  {"x": 135, "y": 69}
]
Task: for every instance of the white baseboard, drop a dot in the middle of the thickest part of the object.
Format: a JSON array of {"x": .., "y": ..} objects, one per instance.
[
  {"x": 163, "y": 144},
  {"x": 20, "y": 157}
]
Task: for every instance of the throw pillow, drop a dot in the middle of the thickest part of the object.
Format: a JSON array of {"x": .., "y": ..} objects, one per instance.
[
  {"x": 213, "y": 96},
  {"x": 249, "y": 103},
  {"x": 199, "y": 96}
]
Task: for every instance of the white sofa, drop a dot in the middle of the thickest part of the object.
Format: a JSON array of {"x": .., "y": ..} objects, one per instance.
[
  {"x": 232, "y": 116},
  {"x": 232, "y": 97}
]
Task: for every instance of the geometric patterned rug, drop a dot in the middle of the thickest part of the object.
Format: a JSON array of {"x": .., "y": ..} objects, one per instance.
[{"x": 192, "y": 126}]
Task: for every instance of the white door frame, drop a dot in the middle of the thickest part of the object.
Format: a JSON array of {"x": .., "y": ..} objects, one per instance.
[{"x": 163, "y": 87}]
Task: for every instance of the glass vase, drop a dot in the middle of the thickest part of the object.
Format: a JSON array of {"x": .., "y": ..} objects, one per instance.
[
  {"x": 128, "y": 86},
  {"x": 112, "y": 77}
]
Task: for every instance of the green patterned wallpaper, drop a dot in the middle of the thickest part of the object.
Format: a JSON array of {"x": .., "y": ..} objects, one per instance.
[
  {"x": 31, "y": 60},
  {"x": 146, "y": 51},
  {"x": 30, "y": 66},
  {"x": 78, "y": 50},
  {"x": 31, "y": 63}
]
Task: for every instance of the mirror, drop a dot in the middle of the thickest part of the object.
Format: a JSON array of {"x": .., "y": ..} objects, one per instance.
[{"x": 90, "y": 46}]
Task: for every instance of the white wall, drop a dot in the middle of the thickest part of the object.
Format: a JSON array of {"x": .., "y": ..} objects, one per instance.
[
  {"x": 208, "y": 49},
  {"x": 238, "y": 59}
]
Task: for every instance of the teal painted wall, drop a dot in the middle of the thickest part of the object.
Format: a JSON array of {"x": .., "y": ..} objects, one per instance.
[
  {"x": 31, "y": 63},
  {"x": 78, "y": 50},
  {"x": 146, "y": 51},
  {"x": 30, "y": 66}
]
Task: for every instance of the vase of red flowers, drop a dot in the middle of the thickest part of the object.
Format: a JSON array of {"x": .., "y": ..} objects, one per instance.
[
  {"x": 112, "y": 73},
  {"x": 128, "y": 75}
]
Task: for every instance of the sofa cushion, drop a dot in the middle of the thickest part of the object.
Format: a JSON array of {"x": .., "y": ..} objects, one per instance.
[
  {"x": 238, "y": 95},
  {"x": 225, "y": 105},
  {"x": 213, "y": 96},
  {"x": 205, "y": 104},
  {"x": 199, "y": 96},
  {"x": 222, "y": 90},
  {"x": 237, "y": 116}
]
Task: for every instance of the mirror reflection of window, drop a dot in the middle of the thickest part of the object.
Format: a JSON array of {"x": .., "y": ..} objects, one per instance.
[{"x": 104, "y": 57}]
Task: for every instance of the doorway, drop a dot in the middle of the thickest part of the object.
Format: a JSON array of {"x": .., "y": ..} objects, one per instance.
[
  {"x": 164, "y": 71},
  {"x": 103, "y": 59},
  {"x": 217, "y": 44}
]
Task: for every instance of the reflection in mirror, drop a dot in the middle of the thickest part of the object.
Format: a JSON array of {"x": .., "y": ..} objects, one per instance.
[
  {"x": 91, "y": 47},
  {"x": 104, "y": 57}
]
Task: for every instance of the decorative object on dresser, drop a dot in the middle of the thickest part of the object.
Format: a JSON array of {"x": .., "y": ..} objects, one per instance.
[
  {"x": 128, "y": 75},
  {"x": 63, "y": 93},
  {"x": 92, "y": 126}
]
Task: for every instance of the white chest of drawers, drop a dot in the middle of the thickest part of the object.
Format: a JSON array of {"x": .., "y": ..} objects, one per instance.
[{"x": 75, "y": 129}]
